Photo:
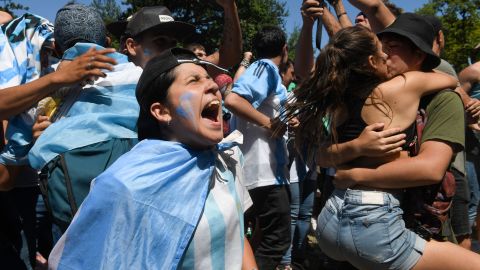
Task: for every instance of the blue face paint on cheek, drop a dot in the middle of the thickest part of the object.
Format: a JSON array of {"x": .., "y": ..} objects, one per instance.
[{"x": 185, "y": 109}]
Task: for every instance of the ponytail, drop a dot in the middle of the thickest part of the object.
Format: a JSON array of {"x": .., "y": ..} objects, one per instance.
[{"x": 341, "y": 73}]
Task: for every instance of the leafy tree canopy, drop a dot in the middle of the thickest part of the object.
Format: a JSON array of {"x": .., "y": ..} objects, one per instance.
[
  {"x": 292, "y": 42},
  {"x": 207, "y": 16},
  {"x": 461, "y": 26}
]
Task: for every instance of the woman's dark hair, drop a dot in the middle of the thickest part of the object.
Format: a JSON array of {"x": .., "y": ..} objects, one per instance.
[
  {"x": 148, "y": 126},
  {"x": 342, "y": 75}
]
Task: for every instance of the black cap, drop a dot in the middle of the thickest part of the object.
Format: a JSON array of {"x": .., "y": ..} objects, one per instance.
[
  {"x": 419, "y": 31},
  {"x": 161, "y": 64},
  {"x": 158, "y": 19}
]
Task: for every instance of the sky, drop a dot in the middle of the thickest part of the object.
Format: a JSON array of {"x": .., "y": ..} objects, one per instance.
[{"x": 48, "y": 9}]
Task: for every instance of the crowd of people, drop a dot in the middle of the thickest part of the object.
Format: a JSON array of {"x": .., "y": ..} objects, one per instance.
[{"x": 159, "y": 155}]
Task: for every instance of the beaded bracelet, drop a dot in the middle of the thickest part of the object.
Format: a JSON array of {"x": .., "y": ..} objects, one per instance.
[{"x": 245, "y": 63}]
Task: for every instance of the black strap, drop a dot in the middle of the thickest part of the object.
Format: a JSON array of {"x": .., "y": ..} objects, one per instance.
[
  {"x": 318, "y": 35},
  {"x": 43, "y": 185},
  {"x": 68, "y": 184}
]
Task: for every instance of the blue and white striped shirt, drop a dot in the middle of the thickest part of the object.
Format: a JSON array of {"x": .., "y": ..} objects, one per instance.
[{"x": 218, "y": 239}]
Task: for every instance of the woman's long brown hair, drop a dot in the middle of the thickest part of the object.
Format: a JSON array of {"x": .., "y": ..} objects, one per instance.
[{"x": 342, "y": 75}]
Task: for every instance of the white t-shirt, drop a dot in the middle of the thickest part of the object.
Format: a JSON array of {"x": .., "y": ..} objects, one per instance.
[{"x": 265, "y": 158}]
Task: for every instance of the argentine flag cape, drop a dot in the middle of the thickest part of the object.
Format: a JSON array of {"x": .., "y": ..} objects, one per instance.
[
  {"x": 141, "y": 213},
  {"x": 20, "y": 43},
  {"x": 105, "y": 110}
]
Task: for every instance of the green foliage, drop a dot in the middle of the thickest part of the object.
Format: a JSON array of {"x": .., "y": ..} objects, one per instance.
[
  {"x": 110, "y": 12},
  {"x": 461, "y": 24},
  {"x": 292, "y": 42},
  {"x": 108, "y": 9},
  {"x": 207, "y": 16}
]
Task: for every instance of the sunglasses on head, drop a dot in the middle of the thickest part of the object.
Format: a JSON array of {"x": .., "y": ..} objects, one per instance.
[{"x": 202, "y": 63}]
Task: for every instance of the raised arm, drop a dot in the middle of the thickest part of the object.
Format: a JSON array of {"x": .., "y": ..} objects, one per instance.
[
  {"x": 469, "y": 76},
  {"x": 16, "y": 99},
  {"x": 377, "y": 13},
  {"x": 341, "y": 13},
  {"x": 304, "y": 52},
  {"x": 247, "y": 58},
  {"x": 5, "y": 17},
  {"x": 231, "y": 45},
  {"x": 330, "y": 23}
]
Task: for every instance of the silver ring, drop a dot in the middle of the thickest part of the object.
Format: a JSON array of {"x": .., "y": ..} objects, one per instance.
[{"x": 89, "y": 66}]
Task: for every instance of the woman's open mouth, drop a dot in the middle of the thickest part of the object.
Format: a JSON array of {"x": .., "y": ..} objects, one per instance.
[{"x": 211, "y": 112}]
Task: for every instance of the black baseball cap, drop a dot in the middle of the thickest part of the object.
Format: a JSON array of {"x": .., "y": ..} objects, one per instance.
[
  {"x": 158, "y": 19},
  {"x": 162, "y": 63},
  {"x": 419, "y": 31}
]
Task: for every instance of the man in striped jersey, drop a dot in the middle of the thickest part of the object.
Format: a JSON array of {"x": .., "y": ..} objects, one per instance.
[{"x": 255, "y": 100}]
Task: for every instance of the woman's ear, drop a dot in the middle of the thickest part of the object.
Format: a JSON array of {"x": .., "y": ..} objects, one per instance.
[
  {"x": 130, "y": 46},
  {"x": 161, "y": 113},
  {"x": 372, "y": 62}
]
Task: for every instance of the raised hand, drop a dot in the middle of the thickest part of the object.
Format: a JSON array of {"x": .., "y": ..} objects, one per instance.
[
  {"x": 84, "y": 68},
  {"x": 277, "y": 127},
  {"x": 375, "y": 142},
  {"x": 41, "y": 123},
  {"x": 311, "y": 10},
  {"x": 473, "y": 110},
  {"x": 248, "y": 56}
]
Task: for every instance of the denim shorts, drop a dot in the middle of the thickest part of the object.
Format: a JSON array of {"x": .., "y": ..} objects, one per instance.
[{"x": 366, "y": 229}]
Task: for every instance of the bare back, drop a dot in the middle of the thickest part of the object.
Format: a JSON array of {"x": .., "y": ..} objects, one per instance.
[{"x": 395, "y": 103}]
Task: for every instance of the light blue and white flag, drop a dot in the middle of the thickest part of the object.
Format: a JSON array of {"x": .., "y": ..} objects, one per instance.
[
  {"x": 141, "y": 213},
  {"x": 20, "y": 43},
  {"x": 105, "y": 110}
]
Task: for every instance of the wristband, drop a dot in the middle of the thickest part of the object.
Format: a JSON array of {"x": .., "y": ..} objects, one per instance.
[
  {"x": 245, "y": 63},
  {"x": 341, "y": 14}
]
